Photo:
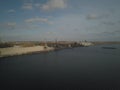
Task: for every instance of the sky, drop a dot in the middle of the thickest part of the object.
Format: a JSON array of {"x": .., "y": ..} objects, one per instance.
[{"x": 72, "y": 20}]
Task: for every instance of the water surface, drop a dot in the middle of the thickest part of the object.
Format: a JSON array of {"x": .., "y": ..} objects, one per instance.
[{"x": 83, "y": 67}]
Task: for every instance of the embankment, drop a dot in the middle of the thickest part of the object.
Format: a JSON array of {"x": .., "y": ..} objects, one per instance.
[{"x": 11, "y": 51}]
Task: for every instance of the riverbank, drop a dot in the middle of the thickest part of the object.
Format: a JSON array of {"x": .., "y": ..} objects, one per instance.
[{"x": 17, "y": 50}]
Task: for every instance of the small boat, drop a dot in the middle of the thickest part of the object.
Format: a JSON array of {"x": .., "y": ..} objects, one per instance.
[{"x": 109, "y": 48}]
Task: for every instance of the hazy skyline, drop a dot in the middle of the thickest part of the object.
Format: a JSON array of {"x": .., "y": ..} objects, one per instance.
[{"x": 62, "y": 19}]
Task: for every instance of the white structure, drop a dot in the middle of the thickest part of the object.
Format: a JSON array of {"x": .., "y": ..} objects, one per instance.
[{"x": 86, "y": 43}]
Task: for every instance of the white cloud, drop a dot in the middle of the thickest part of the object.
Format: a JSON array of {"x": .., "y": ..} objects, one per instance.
[
  {"x": 11, "y": 11},
  {"x": 97, "y": 16},
  {"x": 27, "y": 6},
  {"x": 49, "y": 5},
  {"x": 8, "y": 25},
  {"x": 37, "y": 5},
  {"x": 50, "y": 23},
  {"x": 11, "y": 23},
  {"x": 54, "y": 4},
  {"x": 38, "y": 19},
  {"x": 92, "y": 16}
]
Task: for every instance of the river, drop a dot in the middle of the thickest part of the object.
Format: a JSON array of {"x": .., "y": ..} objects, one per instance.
[{"x": 76, "y": 68}]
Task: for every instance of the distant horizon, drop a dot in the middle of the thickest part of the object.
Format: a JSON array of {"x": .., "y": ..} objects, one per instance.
[
  {"x": 60, "y": 40},
  {"x": 94, "y": 20}
]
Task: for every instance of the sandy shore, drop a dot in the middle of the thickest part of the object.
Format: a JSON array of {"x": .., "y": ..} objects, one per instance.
[{"x": 11, "y": 51}]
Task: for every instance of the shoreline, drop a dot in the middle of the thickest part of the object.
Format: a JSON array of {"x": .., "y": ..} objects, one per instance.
[
  {"x": 15, "y": 51},
  {"x": 30, "y": 48}
]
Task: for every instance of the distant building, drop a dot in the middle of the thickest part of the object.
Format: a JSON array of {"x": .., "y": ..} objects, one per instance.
[{"x": 86, "y": 43}]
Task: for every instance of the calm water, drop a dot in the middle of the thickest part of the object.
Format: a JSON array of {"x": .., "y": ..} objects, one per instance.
[{"x": 84, "y": 67}]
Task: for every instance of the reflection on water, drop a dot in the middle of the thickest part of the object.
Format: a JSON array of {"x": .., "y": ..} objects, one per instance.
[{"x": 84, "y": 67}]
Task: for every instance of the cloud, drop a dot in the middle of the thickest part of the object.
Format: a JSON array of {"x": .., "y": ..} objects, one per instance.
[
  {"x": 97, "y": 16},
  {"x": 50, "y": 23},
  {"x": 8, "y": 25},
  {"x": 117, "y": 31},
  {"x": 119, "y": 21},
  {"x": 37, "y": 5},
  {"x": 11, "y": 24},
  {"x": 109, "y": 23},
  {"x": 76, "y": 29},
  {"x": 49, "y": 5},
  {"x": 92, "y": 16},
  {"x": 38, "y": 19},
  {"x": 54, "y": 4},
  {"x": 11, "y": 11},
  {"x": 27, "y": 6},
  {"x": 111, "y": 32}
]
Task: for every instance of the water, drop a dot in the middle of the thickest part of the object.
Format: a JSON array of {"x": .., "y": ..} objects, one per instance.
[{"x": 77, "y": 68}]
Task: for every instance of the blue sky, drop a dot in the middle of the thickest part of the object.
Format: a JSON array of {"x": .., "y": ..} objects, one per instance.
[{"x": 29, "y": 20}]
